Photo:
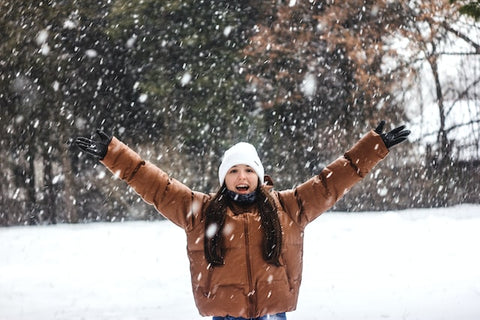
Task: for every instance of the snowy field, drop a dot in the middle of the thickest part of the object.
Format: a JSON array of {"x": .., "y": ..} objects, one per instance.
[{"x": 413, "y": 264}]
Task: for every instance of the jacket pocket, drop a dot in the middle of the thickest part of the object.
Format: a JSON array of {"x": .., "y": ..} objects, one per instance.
[
  {"x": 287, "y": 276},
  {"x": 275, "y": 296}
]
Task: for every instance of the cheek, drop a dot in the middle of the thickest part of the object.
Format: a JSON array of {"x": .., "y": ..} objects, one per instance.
[
  {"x": 229, "y": 181},
  {"x": 254, "y": 181}
]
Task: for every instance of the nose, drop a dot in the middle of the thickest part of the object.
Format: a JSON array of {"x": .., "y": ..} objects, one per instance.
[{"x": 241, "y": 174}]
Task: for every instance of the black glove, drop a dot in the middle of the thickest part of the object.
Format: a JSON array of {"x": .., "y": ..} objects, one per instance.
[
  {"x": 393, "y": 137},
  {"x": 98, "y": 149}
]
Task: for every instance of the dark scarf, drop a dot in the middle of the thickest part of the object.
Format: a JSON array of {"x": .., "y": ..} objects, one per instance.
[{"x": 242, "y": 199}]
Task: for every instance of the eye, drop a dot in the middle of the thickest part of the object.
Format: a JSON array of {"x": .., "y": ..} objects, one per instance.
[
  {"x": 250, "y": 170},
  {"x": 234, "y": 170}
]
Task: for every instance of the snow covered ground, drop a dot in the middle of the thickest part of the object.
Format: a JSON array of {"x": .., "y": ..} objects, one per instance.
[{"x": 413, "y": 264}]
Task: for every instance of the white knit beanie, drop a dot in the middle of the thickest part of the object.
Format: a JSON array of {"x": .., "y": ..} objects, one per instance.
[{"x": 241, "y": 153}]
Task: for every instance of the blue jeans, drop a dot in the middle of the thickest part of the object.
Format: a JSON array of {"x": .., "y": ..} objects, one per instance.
[{"x": 278, "y": 316}]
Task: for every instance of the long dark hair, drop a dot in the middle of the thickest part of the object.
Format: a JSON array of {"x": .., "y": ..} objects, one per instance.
[{"x": 215, "y": 213}]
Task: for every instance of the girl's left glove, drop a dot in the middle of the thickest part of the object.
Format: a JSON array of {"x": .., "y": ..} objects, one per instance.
[
  {"x": 98, "y": 149},
  {"x": 393, "y": 137}
]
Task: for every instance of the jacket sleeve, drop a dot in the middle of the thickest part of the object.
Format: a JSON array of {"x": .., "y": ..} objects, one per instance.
[
  {"x": 172, "y": 199},
  {"x": 315, "y": 196}
]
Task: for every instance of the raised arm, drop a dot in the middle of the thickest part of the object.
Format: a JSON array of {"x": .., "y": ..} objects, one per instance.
[
  {"x": 320, "y": 193},
  {"x": 171, "y": 198}
]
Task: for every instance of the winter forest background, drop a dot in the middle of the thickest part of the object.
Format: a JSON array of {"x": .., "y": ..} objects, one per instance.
[{"x": 180, "y": 81}]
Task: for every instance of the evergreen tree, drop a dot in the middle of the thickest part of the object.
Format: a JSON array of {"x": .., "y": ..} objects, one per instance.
[
  {"x": 191, "y": 61},
  {"x": 470, "y": 8}
]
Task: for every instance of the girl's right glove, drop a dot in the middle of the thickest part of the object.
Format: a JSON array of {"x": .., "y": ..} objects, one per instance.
[
  {"x": 393, "y": 137},
  {"x": 98, "y": 149}
]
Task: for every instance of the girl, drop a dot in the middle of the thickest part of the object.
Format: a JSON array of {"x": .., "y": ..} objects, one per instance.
[{"x": 244, "y": 242}]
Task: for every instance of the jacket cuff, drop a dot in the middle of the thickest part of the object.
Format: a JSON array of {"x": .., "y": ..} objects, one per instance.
[
  {"x": 367, "y": 152},
  {"x": 121, "y": 160}
]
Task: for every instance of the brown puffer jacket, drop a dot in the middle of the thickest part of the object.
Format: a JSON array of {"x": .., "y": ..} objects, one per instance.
[{"x": 246, "y": 286}]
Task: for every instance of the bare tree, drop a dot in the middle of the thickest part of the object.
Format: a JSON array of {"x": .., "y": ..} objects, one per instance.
[{"x": 444, "y": 41}]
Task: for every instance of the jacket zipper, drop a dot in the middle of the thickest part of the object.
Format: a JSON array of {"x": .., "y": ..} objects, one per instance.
[{"x": 251, "y": 292}]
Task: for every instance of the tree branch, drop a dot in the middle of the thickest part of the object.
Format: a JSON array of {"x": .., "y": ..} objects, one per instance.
[
  {"x": 462, "y": 36},
  {"x": 462, "y": 125},
  {"x": 458, "y": 53},
  {"x": 448, "y": 130},
  {"x": 462, "y": 95}
]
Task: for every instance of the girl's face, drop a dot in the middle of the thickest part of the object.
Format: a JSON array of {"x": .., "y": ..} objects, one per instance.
[{"x": 241, "y": 179}]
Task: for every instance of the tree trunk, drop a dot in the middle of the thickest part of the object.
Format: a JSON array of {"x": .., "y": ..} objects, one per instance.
[
  {"x": 69, "y": 196},
  {"x": 442, "y": 139},
  {"x": 4, "y": 211},
  {"x": 49, "y": 200},
  {"x": 29, "y": 179}
]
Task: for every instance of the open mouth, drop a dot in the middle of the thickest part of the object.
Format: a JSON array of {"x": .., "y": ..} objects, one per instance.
[{"x": 242, "y": 188}]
